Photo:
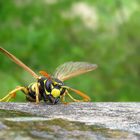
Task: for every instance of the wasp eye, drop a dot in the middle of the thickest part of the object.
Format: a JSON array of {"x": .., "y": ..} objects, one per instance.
[{"x": 49, "y": 85}]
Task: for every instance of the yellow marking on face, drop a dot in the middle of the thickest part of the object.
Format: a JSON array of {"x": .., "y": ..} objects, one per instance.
[{"x": 55, "y": 92}]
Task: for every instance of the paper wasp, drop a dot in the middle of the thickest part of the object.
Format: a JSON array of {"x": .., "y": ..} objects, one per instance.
[{"x": 50, "y": 88}]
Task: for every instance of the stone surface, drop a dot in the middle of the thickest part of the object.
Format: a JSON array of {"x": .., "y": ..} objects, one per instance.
[{"x": 113, "y": 121}]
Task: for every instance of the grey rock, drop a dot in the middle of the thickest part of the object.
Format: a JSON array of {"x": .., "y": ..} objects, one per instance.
[{"x": 116, "y": 120}]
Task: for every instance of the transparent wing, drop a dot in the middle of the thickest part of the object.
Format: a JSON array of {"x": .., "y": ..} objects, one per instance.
[{"x": 71, "y": 69}]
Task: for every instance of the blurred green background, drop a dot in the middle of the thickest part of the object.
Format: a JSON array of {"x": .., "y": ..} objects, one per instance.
[{"x": 47, "y": 33}]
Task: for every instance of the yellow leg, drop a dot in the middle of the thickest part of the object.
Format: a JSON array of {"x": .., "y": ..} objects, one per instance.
[
  {"x": 75, "y": 100},
  {"x": 37, "y": 93},
  {"x": 63, "y": 99},
  {"x": 83, "y": 95},
  {"x": 12, "y": 94}
]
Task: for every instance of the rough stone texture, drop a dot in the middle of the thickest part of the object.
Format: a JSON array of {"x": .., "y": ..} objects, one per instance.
[{"x": 118, "y": 116}]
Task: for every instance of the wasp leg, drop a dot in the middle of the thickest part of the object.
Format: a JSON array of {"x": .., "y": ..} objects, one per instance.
[
  {"x": 63, "y": 100},
  {"x": 83, "y": 95},
  {"x": 75, "y": 100},
  {"x": 12, "y": 94},
  {"x": 37, "y": 93}
]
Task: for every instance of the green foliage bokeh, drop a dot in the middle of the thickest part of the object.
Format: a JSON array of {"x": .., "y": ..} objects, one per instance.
[{"x": 44, "y": 34}]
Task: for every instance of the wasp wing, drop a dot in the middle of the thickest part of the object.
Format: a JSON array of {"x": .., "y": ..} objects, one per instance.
[
  {"x": 72, "y": 69},
  {"x": 18, "y": 62}
]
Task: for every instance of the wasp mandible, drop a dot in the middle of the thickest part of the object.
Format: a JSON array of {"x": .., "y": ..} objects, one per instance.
[{"x": 50, "y": 88}]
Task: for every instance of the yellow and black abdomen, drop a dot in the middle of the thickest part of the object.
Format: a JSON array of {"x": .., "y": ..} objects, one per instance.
[{"x": 31, "y": 96}]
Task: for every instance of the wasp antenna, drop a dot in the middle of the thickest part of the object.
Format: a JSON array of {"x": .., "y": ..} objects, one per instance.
[
  {"x": 18, "y": 62},
  {"x": 83, "y": 95}
]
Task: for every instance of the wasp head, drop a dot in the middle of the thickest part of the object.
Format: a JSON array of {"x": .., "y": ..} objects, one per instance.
[{"x": 54, "y": 90}]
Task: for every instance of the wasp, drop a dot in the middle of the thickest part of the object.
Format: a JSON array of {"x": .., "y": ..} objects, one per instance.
[{"x": 50, "y": 88}]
